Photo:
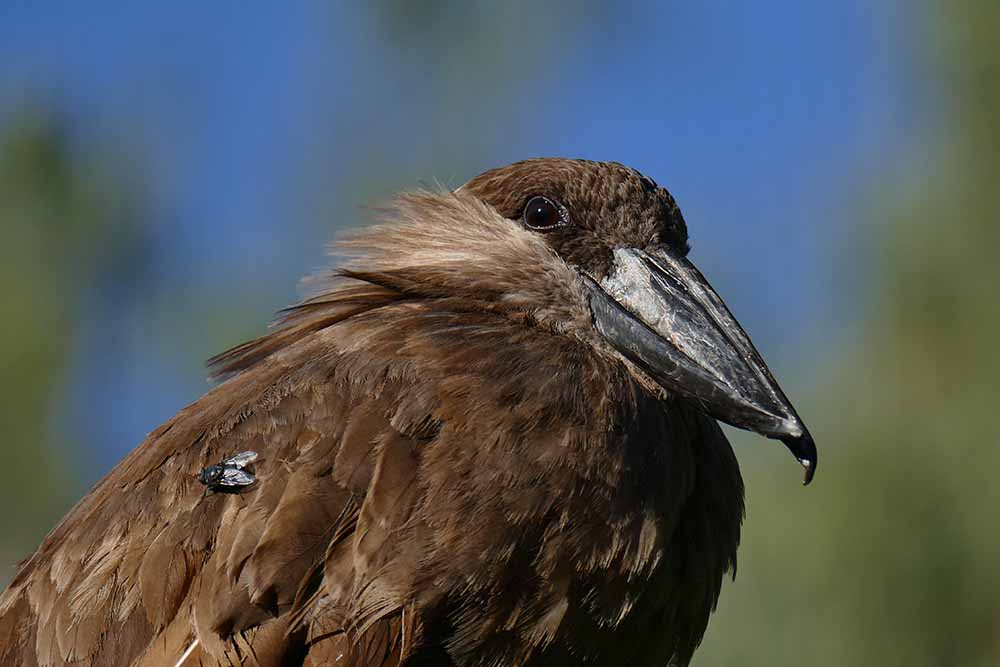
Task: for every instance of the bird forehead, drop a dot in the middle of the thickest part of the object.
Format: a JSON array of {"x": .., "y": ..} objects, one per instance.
[
  {"x": 609, "y": 206},
  {"x": 604, "y": 197}
]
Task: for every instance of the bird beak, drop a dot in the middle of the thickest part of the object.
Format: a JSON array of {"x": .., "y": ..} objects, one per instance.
[{"x": 657, "y": 310}]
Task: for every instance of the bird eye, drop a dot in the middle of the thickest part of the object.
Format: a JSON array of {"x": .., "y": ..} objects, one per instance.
[{"x": 542, "y": 214}]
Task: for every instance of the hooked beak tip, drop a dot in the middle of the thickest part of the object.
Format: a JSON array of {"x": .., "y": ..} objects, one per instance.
[
  {"x": 803, "y": 448},
  {"x": 810, "y": 470}
]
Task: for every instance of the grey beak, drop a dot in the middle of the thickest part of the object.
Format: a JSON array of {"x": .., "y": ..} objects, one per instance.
[{"x": 658, "y": 311}]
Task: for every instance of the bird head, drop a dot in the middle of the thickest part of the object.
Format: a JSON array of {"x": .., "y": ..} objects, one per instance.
[{"x": 627, "y": 242}]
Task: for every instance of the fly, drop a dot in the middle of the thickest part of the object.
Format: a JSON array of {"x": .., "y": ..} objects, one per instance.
[{"x": 229, "y": 476}]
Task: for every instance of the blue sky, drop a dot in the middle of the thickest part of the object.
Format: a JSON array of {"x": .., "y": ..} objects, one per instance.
[{"x": 263, "y": 128}]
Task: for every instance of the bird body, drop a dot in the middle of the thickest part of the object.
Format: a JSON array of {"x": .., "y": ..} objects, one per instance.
[{"x": 454, "y": 465}]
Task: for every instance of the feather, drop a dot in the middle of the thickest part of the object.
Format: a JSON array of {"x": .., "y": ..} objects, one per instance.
[{"x": 187, "y": 654}]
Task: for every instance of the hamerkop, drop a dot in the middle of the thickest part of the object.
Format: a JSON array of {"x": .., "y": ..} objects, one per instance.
[{"x": 489, "y": 439}]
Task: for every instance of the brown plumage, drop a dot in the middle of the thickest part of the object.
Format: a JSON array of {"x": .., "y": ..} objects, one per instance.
[{"x": 477, "y": 446}]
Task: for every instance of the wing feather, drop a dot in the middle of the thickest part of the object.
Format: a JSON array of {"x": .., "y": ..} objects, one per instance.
[{"x": 384, "y": 485}]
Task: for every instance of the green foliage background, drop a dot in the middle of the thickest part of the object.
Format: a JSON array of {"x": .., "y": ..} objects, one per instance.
[
  {"x": 891, "y": 558},
  {"x": 65, "y": 219}
]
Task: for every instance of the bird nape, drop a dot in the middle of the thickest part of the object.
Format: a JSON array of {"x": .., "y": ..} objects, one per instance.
[{"x": 489, "y": 439}]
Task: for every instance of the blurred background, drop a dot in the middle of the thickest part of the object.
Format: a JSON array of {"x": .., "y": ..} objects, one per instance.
[{"x": 169, "y": 172}]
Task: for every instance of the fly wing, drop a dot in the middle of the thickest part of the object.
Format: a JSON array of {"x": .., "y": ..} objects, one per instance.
[
  {"x": 234, "y": 477},
  {"x": 242, "y": 459}
]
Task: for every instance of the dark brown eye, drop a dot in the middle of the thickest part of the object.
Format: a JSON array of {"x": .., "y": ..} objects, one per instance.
[{"x": 541, "y": 214}]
